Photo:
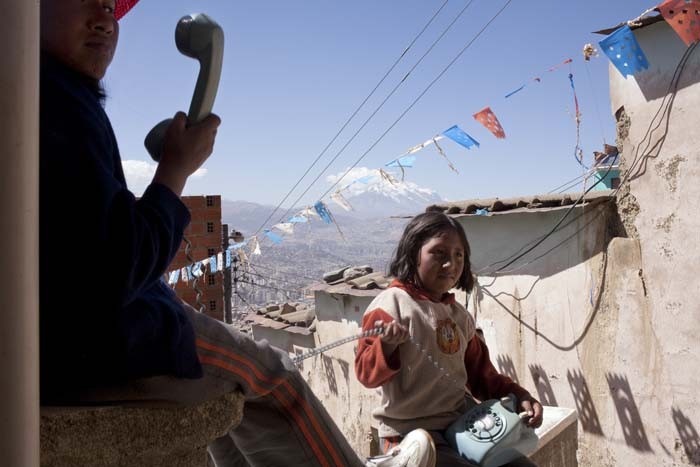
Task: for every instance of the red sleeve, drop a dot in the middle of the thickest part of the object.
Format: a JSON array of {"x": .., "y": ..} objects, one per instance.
[
  {"x": 483, "y": 380},
  {"x": 372, "y": 367}
]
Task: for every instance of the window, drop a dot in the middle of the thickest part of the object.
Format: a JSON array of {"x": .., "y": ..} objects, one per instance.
[
  {"x": 210, "y": 227},
  {"x": 211, "y": 251},
  {"x": 210, "y": 201},
  {"x": 212, "y": 305},
  {"x": 211, "y": 279}
]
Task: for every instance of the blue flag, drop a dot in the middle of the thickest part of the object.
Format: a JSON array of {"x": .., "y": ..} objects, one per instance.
[
  {"x": 457, "y": 135},
  {"x": 276, "y": 239},
  {"x": 624, "y": 51},
  {"x": 212, "y": 264},
  {"x": 297, "y": 220},
  {"x": 323, "y": 211},
  {"x": 174, "y": 277},
  {"x": 406, "y": 161},
  {"x": 228, "y": 258}
]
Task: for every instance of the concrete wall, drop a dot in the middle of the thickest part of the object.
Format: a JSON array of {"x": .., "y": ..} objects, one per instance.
[
  {"x": 664, "y": 187},
  {"x": 332, "y": 375},
  {"x": 607, "y": 324}
]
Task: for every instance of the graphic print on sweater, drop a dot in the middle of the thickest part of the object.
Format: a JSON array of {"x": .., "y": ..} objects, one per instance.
[{"x": 447, "y": 336}]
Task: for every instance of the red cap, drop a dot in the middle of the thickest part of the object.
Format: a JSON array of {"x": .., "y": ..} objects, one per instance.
[{"x": 123, "y": 6}]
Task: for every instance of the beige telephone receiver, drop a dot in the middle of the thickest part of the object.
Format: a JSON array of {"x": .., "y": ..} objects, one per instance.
[{"x": 199, "y": 37}]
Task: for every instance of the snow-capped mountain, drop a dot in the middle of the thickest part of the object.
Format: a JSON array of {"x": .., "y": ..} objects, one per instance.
[{"x": 373, "y": 194}]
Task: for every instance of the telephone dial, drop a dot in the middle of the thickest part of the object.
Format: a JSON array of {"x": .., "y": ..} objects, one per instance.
[
  {"x": 199, "y": 37},
  {"x": 492, "y": 433}
]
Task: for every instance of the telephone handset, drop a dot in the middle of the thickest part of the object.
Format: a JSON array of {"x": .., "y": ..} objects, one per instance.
[
  {"x": 200, "y": 37},
  {"x": 492, "y": 433}
]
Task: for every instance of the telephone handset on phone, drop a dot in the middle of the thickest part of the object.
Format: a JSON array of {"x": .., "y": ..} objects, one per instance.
[
  {"x": 200, "y": 37},
  {"x": 492, "y": 433}
]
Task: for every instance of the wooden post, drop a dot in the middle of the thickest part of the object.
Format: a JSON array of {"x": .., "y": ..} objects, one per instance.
[{"x": 19, "y": 234}]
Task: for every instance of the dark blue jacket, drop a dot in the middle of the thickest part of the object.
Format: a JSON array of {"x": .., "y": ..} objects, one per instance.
[{"x": 105, "y": 314}]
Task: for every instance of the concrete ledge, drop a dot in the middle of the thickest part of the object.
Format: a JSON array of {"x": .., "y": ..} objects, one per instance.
[
  {"x": 138, "y": 436},
  {"x": 558, "y": 439}
]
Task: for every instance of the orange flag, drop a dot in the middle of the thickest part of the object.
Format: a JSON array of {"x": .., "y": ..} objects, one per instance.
[
  {"x": 683, "y": 17},
  {"x": 487, "y": 118}
]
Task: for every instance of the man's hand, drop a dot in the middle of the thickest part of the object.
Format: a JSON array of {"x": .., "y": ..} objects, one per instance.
[
  {"x": 394, "y": 333},
  {"x": 185, "y": 149},
  {"x": 533, "y": 409}
]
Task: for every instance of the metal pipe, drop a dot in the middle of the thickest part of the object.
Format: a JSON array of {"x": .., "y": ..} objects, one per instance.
[{"x": 19, "y": 235}]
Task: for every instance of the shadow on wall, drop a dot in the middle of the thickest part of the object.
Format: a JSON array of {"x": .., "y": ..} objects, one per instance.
[
  {"x": 654, "y": 84},
  {"x": 330, "y": 374},
  {"x": 506, "y": 367},
  {"x": 628, "y": 413},
  {"x": 688, "y": 434},
  {"x": 545, "y": 393},
  {"x": 587, "y": 413}
]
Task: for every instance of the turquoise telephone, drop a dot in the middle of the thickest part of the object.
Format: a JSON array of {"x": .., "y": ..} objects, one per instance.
[
  {"x": 199, "y": 37},
  {"x": 492, "y": 433}
]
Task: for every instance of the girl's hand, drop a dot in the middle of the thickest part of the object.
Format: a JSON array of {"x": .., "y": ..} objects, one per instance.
[
  {"x": 394, "y": 333},
  {"x": 533, "y": 408},
  {"x": 185, "y": 149}
]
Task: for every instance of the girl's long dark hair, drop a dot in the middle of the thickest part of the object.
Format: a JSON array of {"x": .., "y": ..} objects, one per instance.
[{"x": 423, "y": 227}]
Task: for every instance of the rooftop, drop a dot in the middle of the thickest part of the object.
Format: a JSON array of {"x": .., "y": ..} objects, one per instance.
[{"x": 500, "y": 206}]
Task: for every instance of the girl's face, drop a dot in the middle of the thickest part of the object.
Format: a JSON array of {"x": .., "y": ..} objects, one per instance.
[
  {"x": 440, "y": 263},
  {"x": 82, "y": 34}
]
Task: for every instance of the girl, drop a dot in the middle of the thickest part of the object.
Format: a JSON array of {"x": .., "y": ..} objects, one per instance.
[{"x": 432, "y": 258}]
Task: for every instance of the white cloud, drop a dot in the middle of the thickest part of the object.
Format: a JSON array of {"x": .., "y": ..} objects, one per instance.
[{"x": 140, "y": 173}]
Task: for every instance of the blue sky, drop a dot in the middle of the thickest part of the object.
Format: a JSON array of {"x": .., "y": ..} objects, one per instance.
[{"x": 295, "y": 71}]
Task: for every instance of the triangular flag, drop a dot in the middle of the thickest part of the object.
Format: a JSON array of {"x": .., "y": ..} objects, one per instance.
[
  {"x": 309, "y": 211},
  {"x": 212, "y": 264},
  {"x": 387, "y": 176},
  {"x": 197, "y": 269},
  {"x": 255, "y": 246},
  {"x": 684, "y": 17},
  {"x": 243, "y": 257},
  {"x": 341, "y": 201},
  {"x": 323, "y": 212},
  {"x": 442, "y": 153},
  {"x": 174, "y": 275},
  {"x": 286, "y": 227},
  {"x": 298, "y": 219},
  {"x": 624, "y": 51},
  {"x": 457, "y": 135},
  {"x": 228, "y": 258},
  {"x": 276, "y": 239},
  {"x": 406, "y": 161},
  {"x": 487, "y": 118}
]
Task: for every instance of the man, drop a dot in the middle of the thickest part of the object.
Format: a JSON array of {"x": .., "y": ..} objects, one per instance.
[{"x": 128, "y": 325}]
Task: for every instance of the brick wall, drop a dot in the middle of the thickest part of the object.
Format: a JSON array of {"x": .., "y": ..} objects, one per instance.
[{"x": 205, "y": 234}]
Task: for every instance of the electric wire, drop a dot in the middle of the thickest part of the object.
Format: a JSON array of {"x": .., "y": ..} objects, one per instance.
[
  {"x": 666, "y": 106},
  {"x": 517, "y": 255},
  {"x": 415, "y": 101},
  {"x": 347, "y": 122}
]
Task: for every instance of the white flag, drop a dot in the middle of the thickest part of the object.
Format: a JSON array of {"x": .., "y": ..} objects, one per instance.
[{"x": 341, "y": 201}]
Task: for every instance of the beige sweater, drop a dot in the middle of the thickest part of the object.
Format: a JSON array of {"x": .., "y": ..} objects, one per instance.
[{"x": 414, "y": 393}]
